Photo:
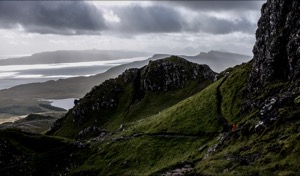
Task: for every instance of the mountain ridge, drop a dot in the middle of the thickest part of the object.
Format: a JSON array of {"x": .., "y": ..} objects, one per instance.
[{"x": 69, "y": 56}]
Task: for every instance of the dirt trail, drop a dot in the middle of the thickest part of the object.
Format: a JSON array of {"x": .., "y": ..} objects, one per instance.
[{"x": 222, "y": 119}]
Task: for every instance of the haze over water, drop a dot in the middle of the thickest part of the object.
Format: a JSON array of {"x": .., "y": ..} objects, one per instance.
[{"x": 12, "y": 75}]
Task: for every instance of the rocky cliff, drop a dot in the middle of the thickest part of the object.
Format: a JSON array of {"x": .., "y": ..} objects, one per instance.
[
  {"x": 277, "y": 47},
  {"x": 274, "y": 78}
]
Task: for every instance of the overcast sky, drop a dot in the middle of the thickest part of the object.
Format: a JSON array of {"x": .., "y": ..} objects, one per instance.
[{"x": 174, "y": 27}]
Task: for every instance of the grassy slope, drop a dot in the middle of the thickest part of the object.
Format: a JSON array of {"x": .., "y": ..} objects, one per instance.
[
  {"x": 192, "y": 116},
  {"x": 183, "y": 133},
  {"x": 141, "y": 156},
  {"x": 167, "y": 139},
  {"x": 174, "y": 136},
  {"x": 233, "y": 92},
  {"x": 34, "y": 123},
  {"x": 127, "y": 111},
  {"x": 199, "y": 114},
  {"x": 275, "y": 151},
  {"x": 35, "y": 154},
  {"x": 152, "y": 103}
]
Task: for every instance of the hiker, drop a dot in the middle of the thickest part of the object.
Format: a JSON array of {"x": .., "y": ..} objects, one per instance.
[{"x": 233, "y": 127}]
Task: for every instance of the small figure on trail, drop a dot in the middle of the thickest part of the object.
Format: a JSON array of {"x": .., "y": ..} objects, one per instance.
[{"x": 233, "y": 127}]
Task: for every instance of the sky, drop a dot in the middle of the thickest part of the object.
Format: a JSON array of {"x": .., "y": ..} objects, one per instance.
[{"x": 172, "y": 27}]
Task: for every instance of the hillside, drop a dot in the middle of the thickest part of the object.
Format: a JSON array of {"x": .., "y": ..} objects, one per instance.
[
  {"x": 28, "y": 154},
  {"x": 164, "y": 118},
  {"x": 134, "y": 95},
  {"x": 34, "y": 123}
]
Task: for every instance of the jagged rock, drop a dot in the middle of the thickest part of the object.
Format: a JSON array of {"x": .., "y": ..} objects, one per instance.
[
  {"x": 179, "y": 171},
  {"x": 80, "y": 145},
  {"x": 130, "y": 74},
  {"x": 220, "y": 141},
  {"x": 277, "y": 47},
  {"x": 166, "y": 75},
  {"x": 275, "y": 72},
  {"x": 91, "y": 131}
]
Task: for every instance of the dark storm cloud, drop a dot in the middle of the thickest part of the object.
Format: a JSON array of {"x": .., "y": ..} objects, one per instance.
[
  {"x": 157, "y": 19},
  {"x": 78, "y": 17},
  {"x": 150, "y": 19},
  {"x": 65, "y": 17},
  {"x": 233, "y": 5}
]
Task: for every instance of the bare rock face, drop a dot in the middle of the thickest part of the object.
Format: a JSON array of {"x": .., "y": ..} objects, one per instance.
[
  {"x": 274, "y": 79},
  {"x": 277, "y": 48},
  {"x": 168, "y": 75}
]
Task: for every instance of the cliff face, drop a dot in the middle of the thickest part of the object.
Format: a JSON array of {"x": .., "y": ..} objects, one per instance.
[
  {"x": 168, "y": 75},
  {"x": 274, "y": 78},
  {"x": 277, "y": 49}
]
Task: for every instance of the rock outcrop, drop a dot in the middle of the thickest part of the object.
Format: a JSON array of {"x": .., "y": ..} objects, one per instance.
[
  {"x": 277, "y": 47},
  {"x": 168, "y": 75},
  {"x": 274, "y": 78}
]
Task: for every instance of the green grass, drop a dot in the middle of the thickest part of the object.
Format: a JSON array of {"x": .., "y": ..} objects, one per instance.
[
  {"x": 153, "y": 103},
  {"x": 141, "y": 155},
  {"x": 199, "y": 113},
  {"x": 195, "y": 115},
  {"x": 172, "y": 127},
  {"x": 32, "y": 154},
  {"x": 277, "y": 151},
  {"x": 171, "y": 137},
  {"x": 233, "y": 92}
]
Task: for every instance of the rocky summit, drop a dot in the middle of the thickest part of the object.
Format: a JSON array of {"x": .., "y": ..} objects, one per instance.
[{"x": 173, "y": 117}]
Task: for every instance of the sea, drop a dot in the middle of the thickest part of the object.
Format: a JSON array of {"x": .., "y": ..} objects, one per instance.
[{"x": 13, "y": 75}]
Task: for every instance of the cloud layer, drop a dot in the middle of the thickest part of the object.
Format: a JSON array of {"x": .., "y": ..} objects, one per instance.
[
  {"x": 83, "y": 17},
  {"x": 45, "y": 17}
]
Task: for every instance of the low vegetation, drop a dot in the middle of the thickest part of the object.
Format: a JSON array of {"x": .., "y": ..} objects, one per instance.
[{"x": 190, "y": 134}]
